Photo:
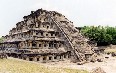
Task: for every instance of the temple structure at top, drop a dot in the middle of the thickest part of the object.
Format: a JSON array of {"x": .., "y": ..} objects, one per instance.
[{"x": 46, "y": 36}]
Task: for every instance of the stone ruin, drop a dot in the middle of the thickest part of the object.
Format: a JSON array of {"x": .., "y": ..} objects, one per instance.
[
  {"x": 47, "y": 36},
  {"x": 98, "y": 70},
  {"x": 3, "y": 55}
]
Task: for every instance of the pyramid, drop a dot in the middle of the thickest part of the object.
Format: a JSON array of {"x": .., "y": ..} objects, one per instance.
[{"x": 46, "y": 36}]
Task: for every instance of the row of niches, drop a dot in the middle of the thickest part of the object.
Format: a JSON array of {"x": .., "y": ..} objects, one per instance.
[
  {"x": 46, "y": 34},
  {"x": 9, "y": 45},
  {"x": 48, "y": 58},
  {"x": 41, "y": 45},
  {"x": 34, "y": 33},
  {"x": 44, "y": 27},
  {"x": 36, "y": 45}
]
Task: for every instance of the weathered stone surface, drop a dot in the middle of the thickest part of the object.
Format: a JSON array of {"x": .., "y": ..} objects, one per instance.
[
  {"x": 49, "y": 30},
  {"x": 98, "y": 70},
  {"x": 3, "y": 55}
]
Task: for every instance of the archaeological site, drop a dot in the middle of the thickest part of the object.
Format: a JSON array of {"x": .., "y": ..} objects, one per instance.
[{"x": 47, "y": 36}]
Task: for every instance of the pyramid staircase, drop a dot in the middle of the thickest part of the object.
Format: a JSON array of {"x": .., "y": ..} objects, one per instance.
[{"x": 75, "y": 50}]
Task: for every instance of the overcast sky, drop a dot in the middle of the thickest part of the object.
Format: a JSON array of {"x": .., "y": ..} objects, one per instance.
[{"x": 81, "y": 12}]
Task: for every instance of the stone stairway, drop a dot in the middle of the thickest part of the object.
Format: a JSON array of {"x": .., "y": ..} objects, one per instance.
[{"x": 66, "y": 32}]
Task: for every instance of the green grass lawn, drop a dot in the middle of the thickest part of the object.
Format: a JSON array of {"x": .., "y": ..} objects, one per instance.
[{"x": 19, "y": 66}]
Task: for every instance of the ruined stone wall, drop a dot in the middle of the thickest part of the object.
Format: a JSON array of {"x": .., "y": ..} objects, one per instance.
[{"x": 42, "y": 25}]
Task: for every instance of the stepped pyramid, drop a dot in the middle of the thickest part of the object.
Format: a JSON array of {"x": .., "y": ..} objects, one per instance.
[{"x": 46, "y": 36}]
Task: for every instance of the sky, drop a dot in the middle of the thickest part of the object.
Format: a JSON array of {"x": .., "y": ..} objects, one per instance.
[{"x": 80, "y": 12}]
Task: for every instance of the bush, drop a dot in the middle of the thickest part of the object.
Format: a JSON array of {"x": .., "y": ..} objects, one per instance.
[{"x": 101, "y": 35}]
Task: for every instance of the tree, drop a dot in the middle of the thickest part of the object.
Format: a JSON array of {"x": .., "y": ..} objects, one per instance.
[
  {"x": 101, "y": 35},
  {"x": 112, "y": 31}
]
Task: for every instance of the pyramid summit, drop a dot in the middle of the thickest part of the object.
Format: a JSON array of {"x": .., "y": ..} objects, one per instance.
[{"x": 45, "y": 36}]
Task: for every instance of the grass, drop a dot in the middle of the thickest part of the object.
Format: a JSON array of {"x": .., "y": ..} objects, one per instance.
[
  {"x": 19, "y": 66},
  {"x": 110, "y": 51}
]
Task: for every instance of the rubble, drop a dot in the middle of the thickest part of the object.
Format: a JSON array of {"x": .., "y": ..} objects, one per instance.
[
  {"x": 3, "y": 55},
  {"x": 98, "y": 70}
]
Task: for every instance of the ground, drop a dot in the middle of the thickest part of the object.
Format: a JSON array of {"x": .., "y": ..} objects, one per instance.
[
  {"x": 12, "y": 65},
  {"x": 108, "y": 65}
]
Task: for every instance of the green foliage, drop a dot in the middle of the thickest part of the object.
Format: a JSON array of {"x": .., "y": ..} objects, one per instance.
[
  {"x": 1, "y": 39},
  {"x": 102, "y": 35}
]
